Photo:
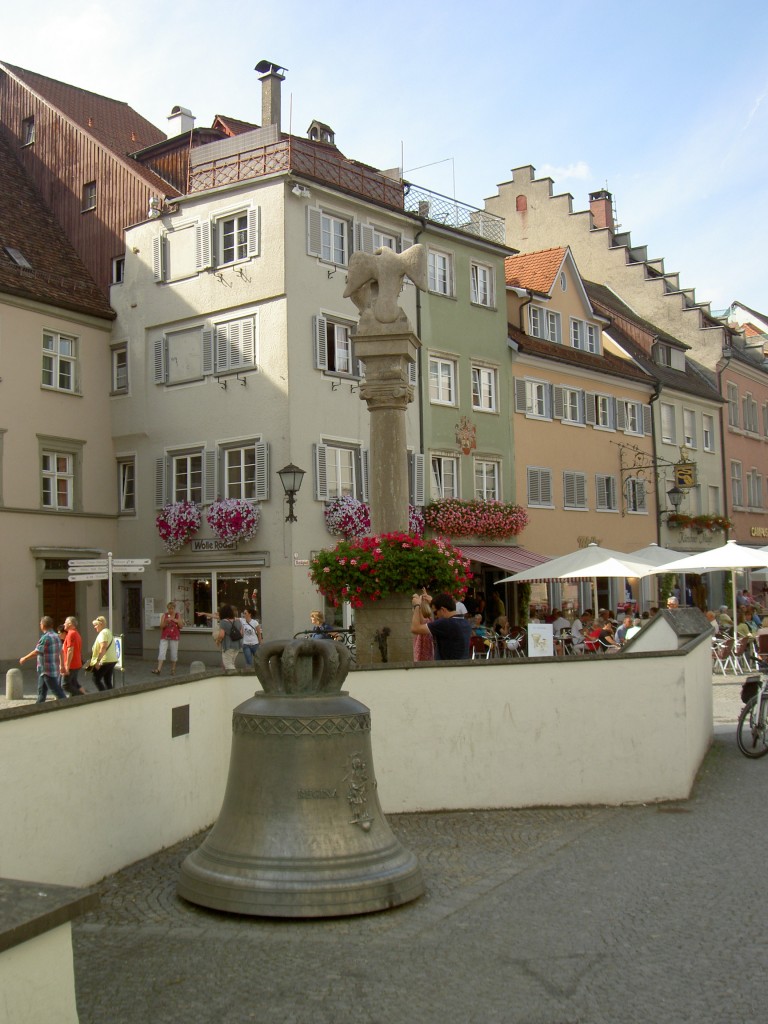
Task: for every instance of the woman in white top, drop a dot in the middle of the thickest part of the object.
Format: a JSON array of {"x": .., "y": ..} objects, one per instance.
[{"x": 251, "y": 637}]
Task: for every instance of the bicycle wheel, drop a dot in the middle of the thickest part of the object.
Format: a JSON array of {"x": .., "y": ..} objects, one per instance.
[{"x": 751, "y": 736}]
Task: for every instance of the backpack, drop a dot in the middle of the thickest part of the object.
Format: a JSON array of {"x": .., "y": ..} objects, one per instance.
[{"x": 235, "y": 633}]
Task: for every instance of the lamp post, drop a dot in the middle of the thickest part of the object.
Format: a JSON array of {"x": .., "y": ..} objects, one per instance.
[{"x": 291, "y": 477}]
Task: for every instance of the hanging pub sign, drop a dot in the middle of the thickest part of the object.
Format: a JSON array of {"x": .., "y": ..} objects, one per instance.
[{"x": 685, "y": 474}]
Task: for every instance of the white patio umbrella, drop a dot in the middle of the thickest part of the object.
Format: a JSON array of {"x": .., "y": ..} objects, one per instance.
[
  {"x": 656, "y": 555},
  {"x": 729, "y": 557},
  {"x": 585, "y": 563}
]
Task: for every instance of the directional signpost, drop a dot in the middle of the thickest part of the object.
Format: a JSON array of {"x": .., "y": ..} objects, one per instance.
[{"x": 81, "y": 570}]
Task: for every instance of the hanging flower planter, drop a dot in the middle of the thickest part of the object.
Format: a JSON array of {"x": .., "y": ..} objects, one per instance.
[
  {"x": 177, "y": 523},
  {"x": 234, "y": 519},
  {"x": 373, "y": 568},
  {"x": 347, "y": 517},
  {"x": 455, "y": 518},
  {"x": 699, "y": 523}
]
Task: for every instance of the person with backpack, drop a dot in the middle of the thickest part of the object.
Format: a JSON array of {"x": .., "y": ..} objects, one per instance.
[{"x": 229, "y": 638}]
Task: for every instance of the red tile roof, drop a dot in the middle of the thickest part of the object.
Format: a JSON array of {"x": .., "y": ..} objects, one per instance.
[
  {"x": 56, "y": 274},
  {"x": 604, "y": 363},
  {"x": 535, "y": 271},
  {"x": 232, "y": 125}
]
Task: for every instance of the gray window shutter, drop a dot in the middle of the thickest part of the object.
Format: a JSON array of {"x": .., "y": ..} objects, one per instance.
[
  {"x": 254, "y": 219},
  {"x": 203, "y": 245},
  {"x": 647, "y": 420},
  {"x": 581, "y": 490},
  {"x": 247, "y": 341},
  {"x": 222, "y": 347},
  {"x": 158, "y": 258},
  {"x": 364, "y": 237},
  {"x": 534, "y": 490},
  {"x": 521, "y": 395},
  {"x": 160, "y": 466},
  {"x": 364, "y": 474},
  {"x": 207, "y": 351},
  {"x": 262, "y": 471},
  {"x": 545, "y": 484},
  {"x": 413, "y": 374},
  {"x": 418, "y": 482},
  {"x": 314, "y": 233},
  {"x": 589, "y": 408},
  {"x": 557, "y": 399},
  {"x": 612, "y": 406},
  {"x": 159, "y": 365},
  {"x": 210, "y": 484},
  {"x": 319, "y": 342},
  {"x": 404, "y": 243},
  {"x": 320, "y": 454},
  {"x": 621, "y": 414},
  {"x": 601, "y": 492},
  {"x": 569, "y": 489}
]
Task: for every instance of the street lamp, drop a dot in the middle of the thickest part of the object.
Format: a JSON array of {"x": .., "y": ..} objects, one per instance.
[
  {"x": 291, "y": 477},
  {"x": 675, "y": 495}
]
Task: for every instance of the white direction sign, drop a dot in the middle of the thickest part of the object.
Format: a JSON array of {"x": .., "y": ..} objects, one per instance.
[
  {"x": 99, "y": 563},
  {"x": 129, "y": 563},
  {"x": 83, "y": 576},
  {"x": 78, "y": 569}
]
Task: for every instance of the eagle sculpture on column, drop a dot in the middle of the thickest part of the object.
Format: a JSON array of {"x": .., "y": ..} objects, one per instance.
[{"x": 375, "y": 280}]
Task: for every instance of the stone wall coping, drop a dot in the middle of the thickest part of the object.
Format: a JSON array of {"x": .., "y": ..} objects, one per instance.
[{"x": 29, "y": 909}]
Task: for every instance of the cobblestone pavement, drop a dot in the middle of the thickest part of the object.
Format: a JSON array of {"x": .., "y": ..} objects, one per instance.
[{"x": 542, "y": 916}]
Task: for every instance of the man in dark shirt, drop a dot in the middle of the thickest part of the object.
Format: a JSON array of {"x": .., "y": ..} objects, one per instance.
[{"x": 451, "y": 632}]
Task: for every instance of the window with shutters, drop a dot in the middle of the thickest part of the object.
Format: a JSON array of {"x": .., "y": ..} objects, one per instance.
[
  {"x": 230, "y": 238},
  {"x": 341, "y": 469},
  {"x": 487, "y": 475},
  {"x": 442, "y": 381},
  {"x": 635, "y": 495},
  {"x": 606, "y": 493},
  {"x": 187, "y": 477},
  {"x": 444, "y": 477},
  {"x": 329, "y": 236},
  {"x": 417, "y": 483},
  {"x": 749, "y": 407},
  {"x": 59, "y": 362},
  {"x": 631, "y": 413},
  {"x": 603, "y": 411},
  {"x": 179, "y": 356},
  {"x": 333, "y": 348},
  {"x": 668, "y": 428},
  {"x": 539, "y": 487},
  {"x": 534, "y": 398},
  {"x": 244, "y": 467},
  {"x": 754, "y": 489},
  {"x": 483, "y": 389},
  {"x": 440, "y": 272},
  {"x": 568, "y": 404},
  {"x": 574, "y": 490},
  {"x": 482, "y": 284},
  {"x": 235, "y": 345},
  {"x": 186, "y": 474},
  {"x": 126, "y": 484}
]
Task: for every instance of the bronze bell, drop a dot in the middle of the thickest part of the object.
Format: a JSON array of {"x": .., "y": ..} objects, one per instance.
[{"x": 301, "y": 832}]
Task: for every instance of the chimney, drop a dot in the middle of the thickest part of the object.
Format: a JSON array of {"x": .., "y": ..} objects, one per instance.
[
  {"x": 271, "y": 79},
  {"x": 601, "y": 205},
  {"x": 181, "y": 121}
]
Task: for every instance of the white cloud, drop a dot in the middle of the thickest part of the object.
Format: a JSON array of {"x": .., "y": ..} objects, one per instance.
[{"x": 578, "y": 171}]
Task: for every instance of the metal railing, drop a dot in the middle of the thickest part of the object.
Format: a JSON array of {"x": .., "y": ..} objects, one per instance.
[{"x": 444, "y": 210}]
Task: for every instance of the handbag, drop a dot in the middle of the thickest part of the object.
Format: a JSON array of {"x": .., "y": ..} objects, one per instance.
[{"x": 88, "y": 668}]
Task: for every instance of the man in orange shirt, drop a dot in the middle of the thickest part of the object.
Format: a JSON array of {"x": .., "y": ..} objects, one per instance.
[{"x": 71, "y": 658}]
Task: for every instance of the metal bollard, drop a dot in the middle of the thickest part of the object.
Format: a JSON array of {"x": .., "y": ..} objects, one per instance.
[{"x": 14, "y": 684}]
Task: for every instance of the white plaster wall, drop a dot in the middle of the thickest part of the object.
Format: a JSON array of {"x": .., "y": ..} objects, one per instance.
[
  {"x": 37, "y": 980},
  {"x": 477, "y": 735}
]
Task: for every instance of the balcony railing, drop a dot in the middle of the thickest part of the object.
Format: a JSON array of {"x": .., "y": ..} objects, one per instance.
[{"x": 443, "y": 210}]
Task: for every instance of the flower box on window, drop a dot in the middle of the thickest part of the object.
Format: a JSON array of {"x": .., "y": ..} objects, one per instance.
[
  {"x": 347, "y": 517},
  {"x": 177, "y": 523},
  {"x": 455, "y": 518},
  {"x": 234, "y": 519}
]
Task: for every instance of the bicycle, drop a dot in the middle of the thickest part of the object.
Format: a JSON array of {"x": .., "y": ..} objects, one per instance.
[{"x": 752, "y": 729}]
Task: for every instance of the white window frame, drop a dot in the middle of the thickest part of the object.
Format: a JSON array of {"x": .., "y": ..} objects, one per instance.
[
  {"x": 732, "y": 394},
  {"x": 126, "y": 485},
  {"x": 584, "y": 336},
  {"x": 533, "y": 398},
  {"x": 59, "y": 365},
  {"x": 90, "y": 193},
  {"x": 605, "y": 412},
  {"x": 442, "y": 381},
  {"x": 120, "y": 377},
  {"x": 58, "y": 468},
  {"x": 234, "y": 345},
  {"x": 341, "y": 468},
  {"x": 487, "y": 477},
  {"x": 192, "y": 463},
  {"x": 737, "y": 484},
  {"x": 754, "y": 489},
  {"x": 574, "y": 490},
  {"x": 329, "y": 236},
  {"x": 708, "y": 432},
  {"x": 28, "y": 130},
  {"x": 484, "y": 388},
  {"x": 633, "y": 418},
  {"x": 689, "y": 428},
  {"x": 749, "y": 407},
  {"x": 482, "y": 283},
  {"x": 237, "y": 235},
  {"x": 444, "y": 476},
  {"x": 568, "y": 404},
  {"x": 667, "y": 413},
  {"x": 440, "y": 272},
  {"x": 545, "y": 324},
  {"x": 118, "y": 269},
  {"x": 244, "y": 468}
]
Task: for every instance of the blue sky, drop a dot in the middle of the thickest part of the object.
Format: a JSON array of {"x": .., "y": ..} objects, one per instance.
[{"x": 663, "y": 103}]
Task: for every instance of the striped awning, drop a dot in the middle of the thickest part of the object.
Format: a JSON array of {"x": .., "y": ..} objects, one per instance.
[{"x": 510, "y": 557}]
